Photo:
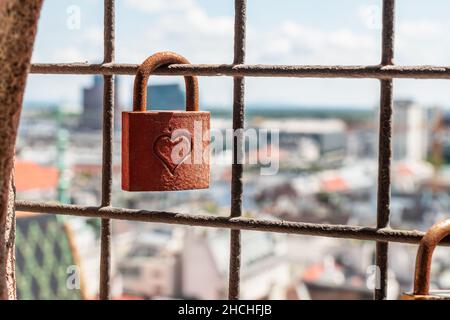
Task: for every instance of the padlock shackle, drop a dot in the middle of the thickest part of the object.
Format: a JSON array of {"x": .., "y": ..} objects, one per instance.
[
  {"x": 425, "y": 254},
  {"x": 148, "y": 66}
]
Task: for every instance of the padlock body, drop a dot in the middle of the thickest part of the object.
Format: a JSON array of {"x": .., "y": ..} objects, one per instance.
[{"x": 165, "y": 150}]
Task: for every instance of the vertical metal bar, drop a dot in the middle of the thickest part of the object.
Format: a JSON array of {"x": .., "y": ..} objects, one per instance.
[
  {"x": 108, "y": 135},
  {"x": 238, "y": 148},
  {"x": 385, "y": 149}
]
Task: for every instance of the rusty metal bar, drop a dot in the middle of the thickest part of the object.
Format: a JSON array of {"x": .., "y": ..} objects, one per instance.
[
  {"x": 108, "y": 136},
  {"x": 19, "y": 21},
  {"x": 385, "y": 149},
  {"x": 239, "y": 223},
  {"x": 240, "y": 7},
  {"x": 385, "y": 72},
  {"x": 249, "y": 70}
]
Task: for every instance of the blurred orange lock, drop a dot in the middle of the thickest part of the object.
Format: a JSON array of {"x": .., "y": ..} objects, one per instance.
[
  {"x": 423, "y": 265},
  {"x": 165, "y": 150}
]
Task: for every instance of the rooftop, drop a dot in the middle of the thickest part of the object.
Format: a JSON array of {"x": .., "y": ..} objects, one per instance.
[
  {"x": 305, "y": 126},
  {"x": 32, "y": 176}
]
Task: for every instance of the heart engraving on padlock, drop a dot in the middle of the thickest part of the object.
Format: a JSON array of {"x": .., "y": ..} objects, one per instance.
[
  {"x": 164, "y": 150},
  {"x": 172, "y": 151}
]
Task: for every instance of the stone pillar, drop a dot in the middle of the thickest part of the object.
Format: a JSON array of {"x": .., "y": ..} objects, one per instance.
[{"x": 18, "y": 21}]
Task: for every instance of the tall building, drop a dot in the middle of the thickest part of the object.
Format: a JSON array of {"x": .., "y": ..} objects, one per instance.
[
  {"x": 326, "y": 137},
  {"x": 165, "y": 97},
  {"x": 410, "y": 131},
  {"x": 92, "y": 117}
]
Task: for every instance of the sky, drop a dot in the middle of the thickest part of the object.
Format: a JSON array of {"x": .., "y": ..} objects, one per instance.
[{"x": 302, "y": 32}]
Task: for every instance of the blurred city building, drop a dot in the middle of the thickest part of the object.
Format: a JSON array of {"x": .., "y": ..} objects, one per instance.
[
  {"x": 160, "y": 97},
  {"x": 205, "y": 267},
  {"x": 315, "y": 140},
  {"x": 151, "y": 266},
  {"x": 410, "y": 131},
  {"x": 327, "y": 174},
  {"x": 34, "y": 181},
  {"x": 92, "y": 115},
  {"x": 165, "y": 97},
  {"x": 442, "y": 138},
  {"x": 181, "y": 263}
]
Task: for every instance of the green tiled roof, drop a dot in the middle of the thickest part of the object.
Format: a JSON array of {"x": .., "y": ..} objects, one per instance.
[{"x": 43, "y": 260}]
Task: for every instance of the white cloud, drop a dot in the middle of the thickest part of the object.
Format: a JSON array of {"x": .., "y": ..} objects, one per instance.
[
  {"x": 422, "y": 42},
  {"x": 204, "y": 38},
  {"x": 421, "y": 29},
  {"x": 184, "y": 27},
  {"x": 93, "y": 35},
  {"x": 87, "y": 46},
  {"x": 370, "y": 16},
  {"x": 158, "y": 6},
  {"x": 293, "y": 43},
  {"x": 70, "y": 53}
]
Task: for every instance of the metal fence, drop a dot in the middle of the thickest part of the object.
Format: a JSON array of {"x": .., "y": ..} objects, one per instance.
[{"x": 386, "y": 71}]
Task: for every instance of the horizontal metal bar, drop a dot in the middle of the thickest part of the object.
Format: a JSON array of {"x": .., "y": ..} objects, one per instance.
[
  {"x": 239, "y": 223},
  {"x": 295, "y": 71}
]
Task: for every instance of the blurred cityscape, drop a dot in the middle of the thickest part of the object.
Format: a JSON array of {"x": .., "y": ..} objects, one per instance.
[{"x": 327, "y": 174}]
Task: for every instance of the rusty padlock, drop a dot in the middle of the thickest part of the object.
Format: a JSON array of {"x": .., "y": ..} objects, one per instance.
[
  {"x": 165, "y": 150},
  {"x": 423, "y": 265}
]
